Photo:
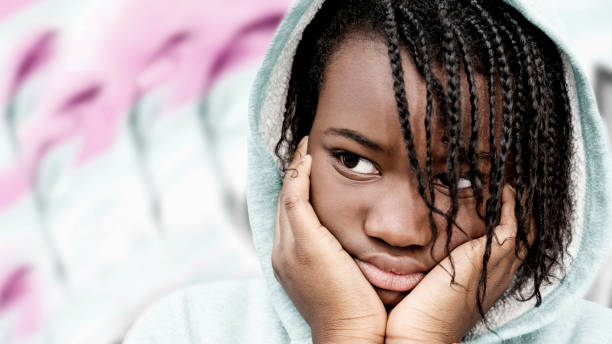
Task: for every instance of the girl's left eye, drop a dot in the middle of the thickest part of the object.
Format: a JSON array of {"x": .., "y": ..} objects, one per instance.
[
  {"x": 462, "y": 183},
  {"x": 356, "y": 164}
]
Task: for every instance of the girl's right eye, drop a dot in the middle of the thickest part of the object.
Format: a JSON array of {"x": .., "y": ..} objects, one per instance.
[{"x": 356, "y": 163}]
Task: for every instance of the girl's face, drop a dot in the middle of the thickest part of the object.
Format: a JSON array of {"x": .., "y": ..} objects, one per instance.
[{"x": 362, "y": 187}]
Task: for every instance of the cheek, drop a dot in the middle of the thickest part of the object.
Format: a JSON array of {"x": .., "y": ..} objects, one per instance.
[
  {"x": 337, "y": 204},
  {"x": 467, "y": 219}
]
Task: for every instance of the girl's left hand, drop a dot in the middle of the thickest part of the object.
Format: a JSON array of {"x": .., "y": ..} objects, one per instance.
[{"x": 437, "y": 311}]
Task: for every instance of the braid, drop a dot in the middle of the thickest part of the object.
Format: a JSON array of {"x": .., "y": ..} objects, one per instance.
[
  {"x": 538, "y": 258},
  {"x": 507, "y": 107},
  {"x": 475, "y": 180},
  {"x": 564, "y": 147},
  {"x": 491, "y": 87},
  {"x": 288, "y": 126},
  {"x": 423, "y": 61},
  {"x": 492, "y": 202},
  {"x": 540, "y": 204},
  {"x": 519, "y": 210},
  {"x": 544, "y": 196},
  {"x": 497, "y": 172},
  {"x": 395, "y": 60},
  {"x": 451, "y": 67},
  {"x": 531, "y": 113},
  {"x": 534, "y": 142}
]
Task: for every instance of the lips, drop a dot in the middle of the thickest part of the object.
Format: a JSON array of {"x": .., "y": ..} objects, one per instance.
[{"x": 387, "y": 279}]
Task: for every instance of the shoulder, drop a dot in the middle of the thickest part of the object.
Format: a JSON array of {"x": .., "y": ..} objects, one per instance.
[
  {"x": 585, "y": 322},
  {"x": 590, "y": 323},
  {"x": 229, "y": 311},
  {"x": 595, "y": 322}
]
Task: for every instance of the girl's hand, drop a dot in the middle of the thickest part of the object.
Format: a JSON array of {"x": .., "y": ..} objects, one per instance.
[
  {"x": 320, "y": 277},
  {"x": 438, "y": 312}
]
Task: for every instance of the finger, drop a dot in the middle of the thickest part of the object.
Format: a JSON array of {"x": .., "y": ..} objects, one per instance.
[
  {"x": 506, "y": 230},
  {"x": 277, "y": 229},
  {"x": 531, "y": 234},
  {"x": 507, "y": 211},
  {"x": 301, "y": 148},
  {"x": 503, "y": 238},
  {"x": 296, "y": 212},
  {"x": 299, "y": 154},
  {"x": 292, "y": 172},
  {"x": 509, "y": 232},
  {"x": 297, "y": 178}
]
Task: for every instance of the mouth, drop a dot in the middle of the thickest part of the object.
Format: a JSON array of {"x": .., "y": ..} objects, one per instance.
[{"x": 389, "y": 280}]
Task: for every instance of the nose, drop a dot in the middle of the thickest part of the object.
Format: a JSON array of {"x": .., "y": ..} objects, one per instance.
[{"x": 400, "y": 217}]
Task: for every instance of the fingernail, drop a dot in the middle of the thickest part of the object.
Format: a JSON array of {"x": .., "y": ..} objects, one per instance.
[{"x": 501, "y": 242}]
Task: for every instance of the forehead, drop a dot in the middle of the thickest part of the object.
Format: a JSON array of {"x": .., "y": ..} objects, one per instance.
[{"x": 357, "y": 92}]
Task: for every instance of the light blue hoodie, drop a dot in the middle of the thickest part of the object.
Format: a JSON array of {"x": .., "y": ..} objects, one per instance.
[{"x": 259, "y": 311}]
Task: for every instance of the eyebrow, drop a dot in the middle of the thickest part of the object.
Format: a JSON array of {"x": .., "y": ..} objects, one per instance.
[
  {"x": 482, "y": 156},
  {"x": 355, "y": 136},
  {"x": 364, "y": 141}
]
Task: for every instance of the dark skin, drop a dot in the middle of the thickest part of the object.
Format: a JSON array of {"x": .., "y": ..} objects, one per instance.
[
  {"x": 334, "y": 208},
  {"x": 374, "y": 208}
]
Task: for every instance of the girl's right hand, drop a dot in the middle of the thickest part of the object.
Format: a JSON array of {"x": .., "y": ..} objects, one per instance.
[{"x": 320, "y": 277}]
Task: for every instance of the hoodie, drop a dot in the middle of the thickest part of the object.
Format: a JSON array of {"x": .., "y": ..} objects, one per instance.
[{"x": 259, "y": 311}]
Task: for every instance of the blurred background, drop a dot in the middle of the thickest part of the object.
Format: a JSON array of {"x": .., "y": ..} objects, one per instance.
[{"x": 123, "y": 129}]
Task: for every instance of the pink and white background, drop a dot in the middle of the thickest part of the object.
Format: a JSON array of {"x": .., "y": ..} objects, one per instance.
[
  {"x": 123, "y": 131},
  {"x": 122, "y": 157}
]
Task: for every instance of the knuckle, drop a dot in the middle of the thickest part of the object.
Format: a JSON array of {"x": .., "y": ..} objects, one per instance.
[
  {"x": 277, "y": 265},
  {"x": 521, "y": 255},
  {"x": 292, "y": 173},
  {"x": 513, "y": 223},
  {"x": 476, "y": 247},
  {"x": 298, "y": 154},
  {"x": 302, "y": 255},
  {"x": 289, "y": 200},
  {"x": 475, "y": 253}
]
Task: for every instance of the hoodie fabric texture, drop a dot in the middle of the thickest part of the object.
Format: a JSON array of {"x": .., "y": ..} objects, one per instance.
[{"x": 259, "y": 311}]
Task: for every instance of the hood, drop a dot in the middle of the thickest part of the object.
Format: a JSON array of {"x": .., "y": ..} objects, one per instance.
[{"x": 591, "y": 178}]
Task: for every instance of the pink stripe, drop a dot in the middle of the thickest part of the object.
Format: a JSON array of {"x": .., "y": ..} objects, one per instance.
[
  {"x": 21, "y": 297},
  {"x": 13, "y": 287},
  {"x": 194, "y": 45},
  {"x": 8, "y": 7}
]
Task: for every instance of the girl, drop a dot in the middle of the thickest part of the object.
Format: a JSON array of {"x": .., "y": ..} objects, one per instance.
[{"x": 445, "y": 179}]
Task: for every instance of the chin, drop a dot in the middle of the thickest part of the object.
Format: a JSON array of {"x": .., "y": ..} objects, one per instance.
[{"x": 390, "y": 298}]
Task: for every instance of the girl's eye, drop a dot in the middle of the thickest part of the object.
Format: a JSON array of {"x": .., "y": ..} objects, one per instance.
[
  {"x": 357, "y": 164},
  {"x": 442, "y": 179}
]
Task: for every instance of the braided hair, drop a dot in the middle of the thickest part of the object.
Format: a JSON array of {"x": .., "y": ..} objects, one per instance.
[{"x": 522, "y": 66}]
